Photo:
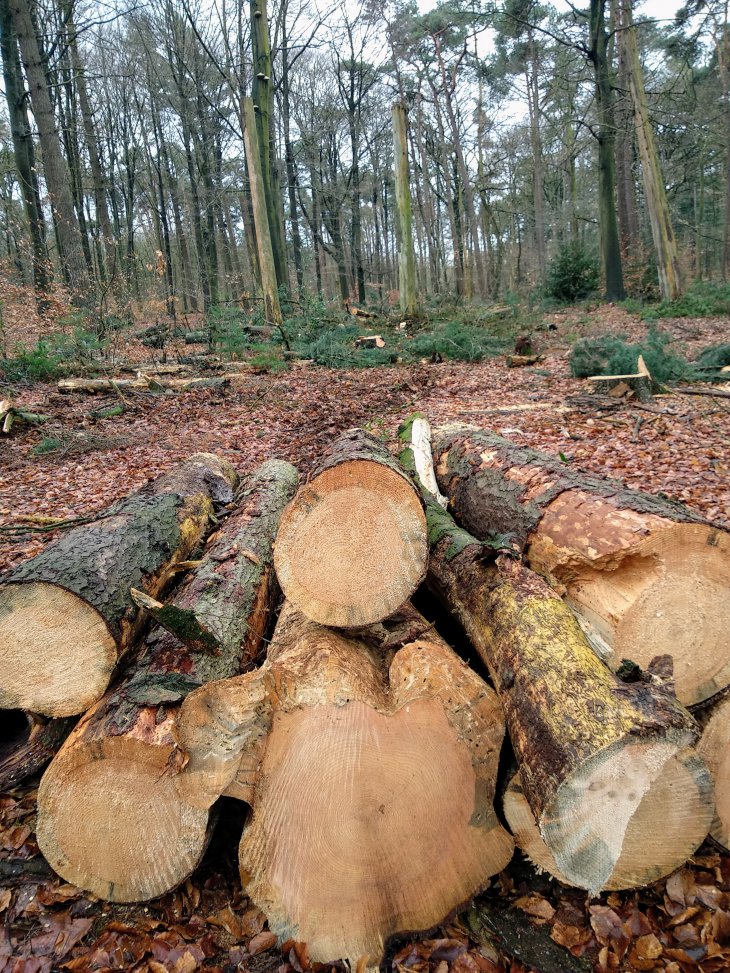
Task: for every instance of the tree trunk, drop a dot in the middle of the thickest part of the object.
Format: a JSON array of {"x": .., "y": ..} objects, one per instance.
[
  {"x": 267, "y": 265},
  {"x": 608, "y": 224},
  {"x": 262, "y": 93},
  {"x": 665, "y": 244},
  {"x": 54, "y": 166},
  {"x": 601, "y": 761},
  {"x": 645, "y": 575},
  {"x": 66, "y": 616},
  {"x": 406, "y": 256},
  {"x": 24, "y": 152},
  {"x": 366, "y": 769},
  {"x": 136, "y": 838},
  {"x": 352, "y": 546}
]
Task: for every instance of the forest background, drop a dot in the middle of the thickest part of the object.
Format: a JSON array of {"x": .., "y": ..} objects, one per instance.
[{"x": 553, "y": 151}]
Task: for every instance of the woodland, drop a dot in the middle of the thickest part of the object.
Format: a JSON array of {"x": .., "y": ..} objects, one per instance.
[{"x": 364, "y": 486}]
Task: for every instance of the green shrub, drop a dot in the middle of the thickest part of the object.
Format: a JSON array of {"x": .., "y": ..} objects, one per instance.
[
  {"x": 49, "y": 444},
  {"x": 267, "y": 358},
  {"x": 39, "y": 364},
  {"x": 573, "y": 274},
  {"x": 456, "y": 342},
  {"x": 704, "y": 299},
  {"x": 611, "y": 355},
  {"x": 714, "y": 356}
]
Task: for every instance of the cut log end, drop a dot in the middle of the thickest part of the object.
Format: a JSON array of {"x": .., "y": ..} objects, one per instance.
[
  {"x": 714, "y": 748},
  {"x": 78, "y": 650},
  {"x": 101, "y": 850},
  {"x": 630, "y": 817},
  {"x": 667, "y": 596},
  {"x": 352, "y": 545},
  {"x": 385, "y": 801}
]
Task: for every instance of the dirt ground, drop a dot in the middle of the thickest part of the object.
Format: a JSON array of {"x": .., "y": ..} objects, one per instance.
[{"x": 678, "y": 444}]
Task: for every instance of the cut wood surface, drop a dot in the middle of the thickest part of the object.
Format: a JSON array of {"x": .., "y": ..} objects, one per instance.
[
  {"x": 66, "y": 616},
  {"x": 110, "y": 819},
  {"x": 645, "y": 575},
  {"x": 602, "y": 761},
  {"x": 522, "y": 361},
  {"x": 370, "y": 764},
  {"x": 714, "y": 747},
  {"x": 352, "y": 545}
]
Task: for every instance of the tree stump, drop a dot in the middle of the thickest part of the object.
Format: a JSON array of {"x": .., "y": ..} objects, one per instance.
[
  {"x": 66, "y": 616},
  {"x": 352, "y": 545},
  {"x": 369, "y": 765},
  {"x": 110, "y": 819},
  {"x": 645, "y": 575}
]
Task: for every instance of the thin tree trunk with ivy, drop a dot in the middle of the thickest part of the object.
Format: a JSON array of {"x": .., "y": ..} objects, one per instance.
[
  {"x": 406, "y": 256},
  {"x": 665, "y": 243},
  {"x": 272, "y": 308}
]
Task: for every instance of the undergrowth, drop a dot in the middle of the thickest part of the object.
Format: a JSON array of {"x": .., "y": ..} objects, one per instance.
[
  {"x": 612, "y": 355},
  {"x": 703, "y": 299}
]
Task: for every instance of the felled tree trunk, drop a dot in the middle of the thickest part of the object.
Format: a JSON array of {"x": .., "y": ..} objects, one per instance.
[
  {"x": 147, "y": 383},
  {"x": 602, "y": 761},
  {"x": 109, "y": 816},
  {"x": 66, "y": 616},
  {"x": 28, "y": 743},
  {"x": 370, "y": 763},
  {"x": 352, "y": 546},
  {"x": 714, "y": 747},
  {"x": 645, "y": 575}
]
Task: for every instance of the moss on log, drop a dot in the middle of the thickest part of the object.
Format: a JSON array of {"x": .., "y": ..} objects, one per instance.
[
  {"x": 66, "y": 615},
  {"x": 110, "y": 818},
  {"x": 645, "y": 575}
]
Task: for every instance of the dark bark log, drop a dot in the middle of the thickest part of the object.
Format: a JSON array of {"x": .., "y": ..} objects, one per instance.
[
  {"x": 645, "y": 575},
  {"x": 66, "y": 615},
  {"x": 110, "y": 816}
]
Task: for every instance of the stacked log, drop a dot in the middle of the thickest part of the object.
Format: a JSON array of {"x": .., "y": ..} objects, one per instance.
[
  {"x": 109, "y": 816},
  {"x": 369, "y": 762},
  {"x": 645, "y": 575},
  {"x": 352, "y": 545},
  {"x": 601, "y": 761},
  {"x": 367, "y": 750},
  {"x": 66, "y": 615}
]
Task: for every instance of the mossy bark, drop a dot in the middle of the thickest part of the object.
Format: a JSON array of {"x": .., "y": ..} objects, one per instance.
[
  {"x": 67, "y": 616},
  {"x": 229, "y": 597}
]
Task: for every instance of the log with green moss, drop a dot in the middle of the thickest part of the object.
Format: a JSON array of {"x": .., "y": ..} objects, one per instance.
[
  {"x": 645, "y": 575},
  {"x": 602, "y": 761},
  {"x": 352, "y": 546},
  {"x": 66, "y": 615},
  {"x": 110, "y": 818}
]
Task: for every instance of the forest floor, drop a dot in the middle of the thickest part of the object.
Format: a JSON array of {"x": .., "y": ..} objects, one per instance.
[{"x": 678, "y": 445}]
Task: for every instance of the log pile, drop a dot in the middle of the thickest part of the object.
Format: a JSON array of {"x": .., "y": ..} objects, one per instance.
[{"x": 369, "y": 752}]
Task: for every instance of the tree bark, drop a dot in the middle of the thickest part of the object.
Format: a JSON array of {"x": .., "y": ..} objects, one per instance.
[
  {"x": 136, "y": 838},
  {"x": 27, "y": 750},
  {"x": 66, "y": 615},
  {"x": 645, "y": 575},
  {"x": 379, "y": 753},
  {"x": 352, "y": 545}
]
